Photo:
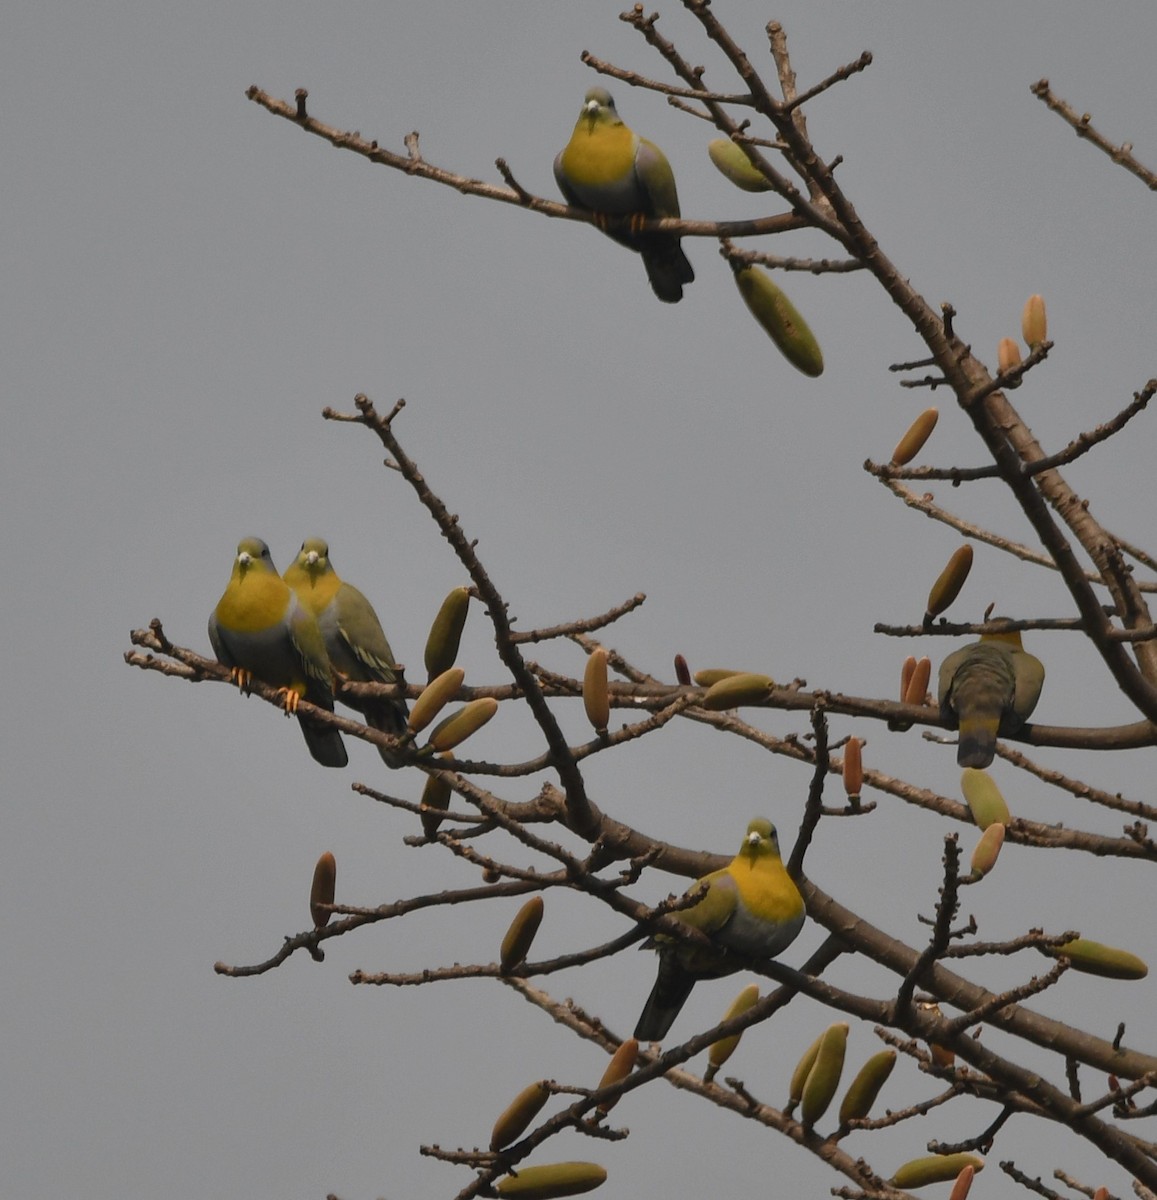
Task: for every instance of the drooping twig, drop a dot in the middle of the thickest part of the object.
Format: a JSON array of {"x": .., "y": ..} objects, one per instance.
[{"x": 1122, "y": 155}]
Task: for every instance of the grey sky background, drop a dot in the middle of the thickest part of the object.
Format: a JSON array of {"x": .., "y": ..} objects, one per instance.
[{"x": 189, "y": 281}]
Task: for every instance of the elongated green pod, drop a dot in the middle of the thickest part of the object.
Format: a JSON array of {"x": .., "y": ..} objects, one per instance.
[
  {"x": 724, "y": 1048},
  {"x": 736, "y": 690},
  {"x": 1095, "y": 958},
  {"x": 552, "y": 1180},
  {"x": 732, "y": 162},
  {"x": 780, "y": 320},
  {"x": 520, "y": 935},
  {"x": 435, "y": 696},
  {"x": 458, "y": 726},
  {"x": 987, "y": 850},
  {"x": 987, "y": 805},
  {"x": 712, "y": 675},
  {"x": 801, "y": 1072},
  {"x": 934, "y": 1168},
  {"x": 446, "y": 633},
  {"x": 516, "y": 1118},
  {"x": 864, "y": 1089},
  {"x": 824, "y": 1078}
]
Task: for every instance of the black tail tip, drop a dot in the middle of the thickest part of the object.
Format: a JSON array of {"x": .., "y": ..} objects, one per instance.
[{"x": 973, "y": 752}]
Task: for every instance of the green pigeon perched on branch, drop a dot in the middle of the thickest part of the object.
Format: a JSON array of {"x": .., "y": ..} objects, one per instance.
[
  {"x": 353, "y": 635},
  {"x": 259, "y": 629},
  {"x": 751, "y": 906},
  {"x": 988, "y": 688},
  {"x": 610, "y": 170}
]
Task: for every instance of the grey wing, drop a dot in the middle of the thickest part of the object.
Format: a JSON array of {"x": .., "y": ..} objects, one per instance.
[
  {"x": 1030, "y": 679},
  {"x": 948, "y": 670},
  {"x": 656, "y": 180},
  {"x": 563, "y": 185},
  {"x": 215, "y": 640}
]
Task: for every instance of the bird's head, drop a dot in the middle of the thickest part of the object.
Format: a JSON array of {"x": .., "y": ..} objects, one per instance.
[
  {"x": 252, "y": 553},
  {"x": 313, "y": 557},
  {"x": 598, "y": 107},
  {"x": 760, "y": 839}
]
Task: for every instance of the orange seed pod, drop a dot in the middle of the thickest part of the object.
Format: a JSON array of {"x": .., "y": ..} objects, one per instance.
[{"x": 322, "y": 892}]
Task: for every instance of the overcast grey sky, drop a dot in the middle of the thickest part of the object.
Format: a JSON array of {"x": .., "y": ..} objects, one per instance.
[{"x": 189, "y": 281}]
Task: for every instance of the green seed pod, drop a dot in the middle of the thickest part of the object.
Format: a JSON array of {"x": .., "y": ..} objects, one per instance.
[
  {"x": 950, "y": 580},
  {"x": 322, "y": 892},
  {"x": 520, "y": 935},
  {"x": 934, "y": 1168},
  {"x": 733, "y": 163},
  {"x": 458, "y": 726},
  {"x": 555, "y": 1179},
  {"x": 984, "y": 798},
  {"x": 913, "y": 441},
  {"x": 987, "y": 850},
  {"x": 712, "y": 675},
  {"x": 723, "y": 1049},
  {"x": 801, "y": 1072},
  {"x": 435, "y": 696},
  {"x": 446, "y": 633},
  {"x": 596, "y": 699},
  {"x": 1093, "y": 958},
  {"x": 864, "y": 1089},
  {"x": 737, "y": 690},
  {"x": 515, "y": 1121},
  {"x": 780, "y": 320},
  {"x": 824, "y": 1077}
]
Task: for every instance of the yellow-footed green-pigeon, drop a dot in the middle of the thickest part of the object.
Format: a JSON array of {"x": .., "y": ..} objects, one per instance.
[
  {"x": 609, "y": 169},
  {"x": 259, "y": 629},
  {"x": 988, "y": 688},
  {"x": 353, "y": 635},
  {"x": 751, "y": 906}
]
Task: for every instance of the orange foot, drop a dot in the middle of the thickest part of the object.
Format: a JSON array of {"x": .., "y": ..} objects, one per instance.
[
  {"x": 290, "y": 697},
  {"x": 242, "y": 678}
]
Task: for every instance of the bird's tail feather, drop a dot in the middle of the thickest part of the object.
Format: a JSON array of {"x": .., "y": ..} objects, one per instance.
[
  {"x": 324, "y": 744},
  {"x": 668, "y": 269},
  {"x": 977, "y": 746},
  {"x": 672, "y": 987}
]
